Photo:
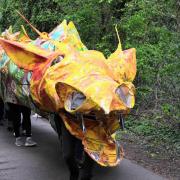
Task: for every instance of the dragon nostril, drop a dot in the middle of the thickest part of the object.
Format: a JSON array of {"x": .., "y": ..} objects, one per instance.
[
  {"x": 57, "y": 60},
  {"x": 75, "y": 100},
  {"x": 125, "y": 95}
]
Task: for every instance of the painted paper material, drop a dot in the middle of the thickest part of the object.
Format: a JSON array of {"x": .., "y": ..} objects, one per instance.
[{"x": 59, "y": 74}]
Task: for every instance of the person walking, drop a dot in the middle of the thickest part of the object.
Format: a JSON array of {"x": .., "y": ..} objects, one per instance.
[
  {"x": 77, "y": 160},
  {"x": 15, "y": 116}
]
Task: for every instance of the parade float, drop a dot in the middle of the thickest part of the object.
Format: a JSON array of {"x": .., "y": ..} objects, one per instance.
[{"x": 56, "y": 73}]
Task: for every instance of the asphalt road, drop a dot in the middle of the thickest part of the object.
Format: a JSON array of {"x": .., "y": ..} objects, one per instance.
[{"x": 45, "y": 161}]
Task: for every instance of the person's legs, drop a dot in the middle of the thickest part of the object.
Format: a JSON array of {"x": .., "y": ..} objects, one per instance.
[
  {"x": 26, "y": 112},
  {"x": 9, "y": 119},
  {"x": 14, "y": 116},
  {"x": 26, "y": 121},
  {"x": 58, "y": 123},
  {"x": 87, "y": 168},
  {"x": 75, "y": 156},
  {"x": 68, "y": 146},
  {"x": 1, "y": 111},
  {"x": 23, "y": 127}
]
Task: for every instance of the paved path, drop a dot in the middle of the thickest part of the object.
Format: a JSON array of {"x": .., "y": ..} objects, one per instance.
[{"x": 45, "y": 162}]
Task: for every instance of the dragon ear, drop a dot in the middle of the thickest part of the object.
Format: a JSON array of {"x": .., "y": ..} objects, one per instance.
[
  {"x": 123, "y": 64},
  {"x": 24, "y": 55},
  {"x": 74, "y": 37}
]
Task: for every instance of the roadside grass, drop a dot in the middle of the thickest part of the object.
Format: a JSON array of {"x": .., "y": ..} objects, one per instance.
[
  {"x": 152, "y": 144},
  {"x": 152, "y": 133}
]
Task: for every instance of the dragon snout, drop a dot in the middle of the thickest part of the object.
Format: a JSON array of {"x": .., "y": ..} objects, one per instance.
[{"x": 107, "y": 99}]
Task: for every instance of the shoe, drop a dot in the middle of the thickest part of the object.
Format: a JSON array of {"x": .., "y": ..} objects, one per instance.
[
  {"x": 19, "y": 141},
  {"x": 29, "y": 142},
  {"x": 35, "y": 116}
]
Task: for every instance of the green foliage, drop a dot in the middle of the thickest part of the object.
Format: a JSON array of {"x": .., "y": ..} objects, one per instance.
[
  {"x": 152, "y": 27},
  {"x": 156, "y": 133}
]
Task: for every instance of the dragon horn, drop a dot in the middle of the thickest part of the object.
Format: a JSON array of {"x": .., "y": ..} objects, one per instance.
[{"x": 36, "y": 30}]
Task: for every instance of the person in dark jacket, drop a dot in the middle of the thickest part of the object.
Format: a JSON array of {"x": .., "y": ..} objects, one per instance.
[{"x": 77, "y": 160}]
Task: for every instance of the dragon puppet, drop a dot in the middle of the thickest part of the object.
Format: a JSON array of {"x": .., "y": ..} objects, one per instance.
[{"x": 56, "y": 73}]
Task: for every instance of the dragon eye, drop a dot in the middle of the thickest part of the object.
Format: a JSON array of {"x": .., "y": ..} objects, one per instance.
[{"x": 57, "y": 60}]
